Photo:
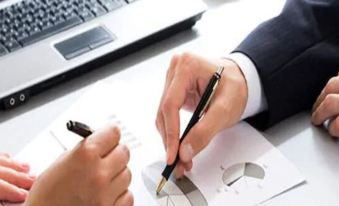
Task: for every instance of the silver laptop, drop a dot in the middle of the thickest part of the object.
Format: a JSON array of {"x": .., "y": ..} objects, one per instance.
[{"x": 43, "y": 42}]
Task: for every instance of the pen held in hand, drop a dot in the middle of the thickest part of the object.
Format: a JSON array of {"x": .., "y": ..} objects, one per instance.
[{"x": 198, "y": 113}]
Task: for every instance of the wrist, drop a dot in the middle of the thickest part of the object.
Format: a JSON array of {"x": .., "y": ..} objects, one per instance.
[{"x": 234, "y": 75}]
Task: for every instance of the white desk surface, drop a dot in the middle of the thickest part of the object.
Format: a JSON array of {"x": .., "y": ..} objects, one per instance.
[{"x": 222, "y": 28}]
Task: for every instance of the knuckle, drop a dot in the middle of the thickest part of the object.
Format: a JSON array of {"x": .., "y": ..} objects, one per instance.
[
  {"x": 334, "y": 128},
  {"x": 173, "y": 62},
  {"x": 115, "y": 131},
  {"x": 188, "y": 61},
  {"x": 129, "y": 199},
  {"x": 167, "y": 105},
  {"x": 126, "y": 153},
  {"x": 100, "y": 178},
  {"x": 129, "y": 176},
  {"x": 329, "y": 101},
  {"x": 126, "y": 199},
  {"x": 158, "y": 123},
  {"x": 125, "y": 178},
  {"x": 187, "y": 57},
  {"x": 88, "y": 151},
  {"x": 331, "y": 85},
  {"x": 315, "y": 118}
]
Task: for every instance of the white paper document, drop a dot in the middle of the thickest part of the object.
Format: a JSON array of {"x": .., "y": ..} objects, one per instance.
[{"x": 239, "y": 167}]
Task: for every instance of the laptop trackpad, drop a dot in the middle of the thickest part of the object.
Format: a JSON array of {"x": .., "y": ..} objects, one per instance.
[{"x": 84, "y": 42}]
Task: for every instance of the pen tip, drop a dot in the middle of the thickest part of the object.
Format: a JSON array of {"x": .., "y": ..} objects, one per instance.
[{"x": 161, "y": 185}]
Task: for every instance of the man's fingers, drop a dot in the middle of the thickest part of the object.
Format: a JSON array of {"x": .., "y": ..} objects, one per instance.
[
  {"x": 169, "y": 76},
  {"x": 328, "y": 108},
  {"x": 125, "y": 199},
  {"x": 174, "y": 100},
  {"x": 333, "y": 128},
  {"x": 19, "y": 179},
  {"x": 320, "y": 98},
  {"x": 7, "y": 162},
  {"x": 179, "y": 170},
  {"x": 160, "y": 123},
  {"x": 11, "y": 193},
  {"x": 171, "y": 120},
  {"x": 203, "y": 132},
  {"x": 117, "y": 159},
  {"x": 171, "y": 105},
  {"x": 105, "y": 139},
  {"x": 188, "y": 165},
  {"x": 332, "y": 87},
  {"x": 170, "y": 73}
]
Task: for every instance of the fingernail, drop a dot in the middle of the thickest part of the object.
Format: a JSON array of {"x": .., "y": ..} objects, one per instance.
[
  {"x": 186, "y": 152},
  {"x": 25, "y": 165},
  {"x": 23, "y": 192}
]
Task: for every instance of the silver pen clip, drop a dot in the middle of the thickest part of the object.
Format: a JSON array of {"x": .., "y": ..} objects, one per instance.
[{"x": 218, "y": 73}]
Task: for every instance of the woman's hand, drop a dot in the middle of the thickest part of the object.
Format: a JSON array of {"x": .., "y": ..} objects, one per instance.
[
  {"x": 95, "y": 173},
  {"x": 15, "y": 180}
]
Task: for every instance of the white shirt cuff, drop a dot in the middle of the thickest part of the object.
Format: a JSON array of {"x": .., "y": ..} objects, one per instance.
[{"x": 256, "y": 101}]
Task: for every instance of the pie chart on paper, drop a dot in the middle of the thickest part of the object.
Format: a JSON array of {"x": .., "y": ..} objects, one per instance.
[{"x": 243, "y": 176}]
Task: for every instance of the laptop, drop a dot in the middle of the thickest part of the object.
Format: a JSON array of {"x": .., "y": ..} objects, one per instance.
[{"x": 45, "y": 42}]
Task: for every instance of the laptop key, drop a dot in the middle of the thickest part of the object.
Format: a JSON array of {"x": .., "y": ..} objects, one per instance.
[
  {"x": 86, "y": 15},
  {"x": 110, "y": 5},
  {"x": 75, "y": 20},
  {"x": 12, "y": 45},
  {"x": 29, "y": 21},
  {"x": 3, "y": 50},
  {"x": 97, "y": 9}
]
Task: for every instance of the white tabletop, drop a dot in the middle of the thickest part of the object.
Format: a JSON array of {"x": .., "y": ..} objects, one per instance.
[{"x": 221, "y": 29}]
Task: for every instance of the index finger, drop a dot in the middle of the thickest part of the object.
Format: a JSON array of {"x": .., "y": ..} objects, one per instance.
[
  {"x": 105, "y": 139},
  {"x": 170, "y": 110}
]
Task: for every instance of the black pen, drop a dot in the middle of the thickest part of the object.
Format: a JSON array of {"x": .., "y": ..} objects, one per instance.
[
  {"x": 198, "y": 113},
  {"x": 79, "y": 128}
]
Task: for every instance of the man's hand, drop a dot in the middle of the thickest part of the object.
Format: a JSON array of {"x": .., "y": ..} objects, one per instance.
[
  {"x": 14, "y": 180},
  {"x": 327, "y": 107},
  {"x": 186, "y": 80},
  {"x": 94, "y": 173}
]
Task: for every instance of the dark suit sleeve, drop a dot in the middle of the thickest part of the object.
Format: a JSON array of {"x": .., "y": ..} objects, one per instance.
[{"x": 295, "y": 54}]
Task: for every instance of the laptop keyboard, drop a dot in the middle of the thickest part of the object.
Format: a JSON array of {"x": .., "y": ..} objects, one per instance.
[{"x": 30, "y": 21}]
